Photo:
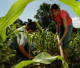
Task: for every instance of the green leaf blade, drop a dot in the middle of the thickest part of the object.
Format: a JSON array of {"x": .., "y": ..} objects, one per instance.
[
  {"x": 24, "y": 63},
  {"x": 14, "y": 12},
  {"x": 44, "y": 58}
]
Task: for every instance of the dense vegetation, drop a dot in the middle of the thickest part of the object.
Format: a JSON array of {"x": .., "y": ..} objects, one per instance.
[{"x": 46, "y": 42}]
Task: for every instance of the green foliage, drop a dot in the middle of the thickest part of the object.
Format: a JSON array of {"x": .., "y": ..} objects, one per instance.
[
  {"x": 13, "y": 66},
  {"x": 14, "y": 12},
  {"x": 52, "y": 27},
  {"x": 43, "y": 15},
  {"x": 3, "y": 35},
  {"x": 1, "y": 41},
  {"x": 41, "y": 58},
  {"x": 74, "y": 50},
  {"x": 5, "y": 53},
  {"x": 24, "y": 63},
  {"x": 46, "y": 40},
  {"x": 74, "y": 5},
  {"x": 39, "y": 27},
  {"x": 45, "y": 58}
]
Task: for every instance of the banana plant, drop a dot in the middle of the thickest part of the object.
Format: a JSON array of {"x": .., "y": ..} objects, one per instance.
[{"x": 43, "y": 57}]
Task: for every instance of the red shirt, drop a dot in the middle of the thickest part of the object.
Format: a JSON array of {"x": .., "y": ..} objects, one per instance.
[{"x": 62, "y": 14}]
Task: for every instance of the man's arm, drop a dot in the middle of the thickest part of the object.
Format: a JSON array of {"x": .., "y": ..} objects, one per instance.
[{"x": 21, "y": 48}]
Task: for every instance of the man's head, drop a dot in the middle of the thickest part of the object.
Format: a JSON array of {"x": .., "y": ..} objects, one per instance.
[{"x": 31, "y": 26}]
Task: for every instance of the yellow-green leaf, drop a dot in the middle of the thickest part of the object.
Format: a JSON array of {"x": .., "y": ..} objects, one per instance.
[
  {"x": 24, "y": 63},
  {"x": 74, "y": 5},
  {"x": 14, "y": 12}
]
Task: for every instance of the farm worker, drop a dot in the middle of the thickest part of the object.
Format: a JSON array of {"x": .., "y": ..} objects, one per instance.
[
  {"x": 65, "y": 23},
  {"x": 23, "y": 47}
]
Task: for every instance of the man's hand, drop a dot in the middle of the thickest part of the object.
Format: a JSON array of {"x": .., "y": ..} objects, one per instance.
[
  {"x": 24, "y": 52},
  {"x": 30, "y": 56}
]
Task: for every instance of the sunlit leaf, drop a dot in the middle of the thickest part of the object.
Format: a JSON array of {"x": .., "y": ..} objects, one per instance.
[
  {"x": 74, "y": 5},
  {"x": 24, "y": 63},
  {"x": 14, "y": 12},
  {"x": 3, "y": 34},
  {"x": 1, "y": 41},
  {"x": 40, "y": 28},
  {"x": 14, "y": 66},
  {"x": 78, "y": 34},
  {"x": 44, "y": 58}
]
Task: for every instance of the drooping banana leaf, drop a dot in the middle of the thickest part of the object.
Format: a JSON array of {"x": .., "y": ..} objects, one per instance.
[
  {"x": 24, "y": 63},
  {"x": 43, "y": 57}
]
